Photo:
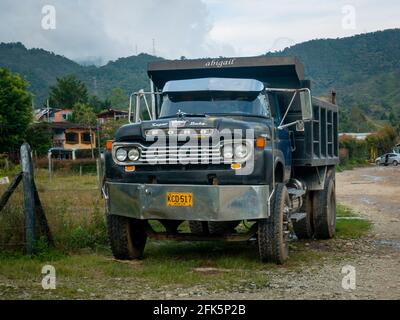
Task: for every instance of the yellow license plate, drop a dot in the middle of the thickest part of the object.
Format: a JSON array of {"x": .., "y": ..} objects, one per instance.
[{"x": 179, "y": 199}]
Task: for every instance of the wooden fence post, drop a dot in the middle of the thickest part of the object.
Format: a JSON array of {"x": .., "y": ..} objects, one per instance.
[{"x": 29, "y": 198}]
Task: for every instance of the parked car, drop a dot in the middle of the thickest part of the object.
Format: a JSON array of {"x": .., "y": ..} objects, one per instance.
[{"x": 388, "y": 158}]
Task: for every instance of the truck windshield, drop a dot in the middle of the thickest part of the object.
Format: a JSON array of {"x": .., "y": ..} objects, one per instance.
[{"x": 201, "y": 103}]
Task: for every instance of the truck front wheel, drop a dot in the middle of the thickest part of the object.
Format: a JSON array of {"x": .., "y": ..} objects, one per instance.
[
  {"x": 324, "y": 209},
  {"x": 273, "y": 233},
  {"x": 127, "y": 237}
]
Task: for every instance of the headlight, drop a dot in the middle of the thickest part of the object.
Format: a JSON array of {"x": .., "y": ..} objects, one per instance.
[
  {"x": 242, "y": 151},
  {"x": 134, "y": 154},
  {"x": 227, "y": 152},
  {"x": 121, "y": 154}
]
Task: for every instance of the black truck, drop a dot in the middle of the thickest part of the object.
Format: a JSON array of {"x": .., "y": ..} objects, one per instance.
[{"x": 232, "y": 149}]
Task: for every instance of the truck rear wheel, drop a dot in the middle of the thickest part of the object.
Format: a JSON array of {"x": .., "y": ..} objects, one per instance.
[
  {"x": 324, "y": 209},
  {"x": 273, "y": 233},
  {"x": 127, "y": 237},
  {"x": 304, "y": 228}
]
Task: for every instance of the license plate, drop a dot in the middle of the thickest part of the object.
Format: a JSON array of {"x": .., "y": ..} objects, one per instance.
[{"x": 179, "y": 199}]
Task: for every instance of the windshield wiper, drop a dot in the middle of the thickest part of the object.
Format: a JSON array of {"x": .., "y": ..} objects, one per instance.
[
  {"x": 185, "y": 115},
  {"x": 241, "y": 115}
]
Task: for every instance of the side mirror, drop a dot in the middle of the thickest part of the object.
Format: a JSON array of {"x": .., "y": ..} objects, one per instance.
[{"x": 306, "y": 105}]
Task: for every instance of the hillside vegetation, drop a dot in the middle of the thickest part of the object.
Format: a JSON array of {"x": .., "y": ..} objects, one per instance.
[{"x": 363, "y": 69}]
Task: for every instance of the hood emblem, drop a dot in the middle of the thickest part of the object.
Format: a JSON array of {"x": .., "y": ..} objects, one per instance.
[{"x": 177, "y": 123}]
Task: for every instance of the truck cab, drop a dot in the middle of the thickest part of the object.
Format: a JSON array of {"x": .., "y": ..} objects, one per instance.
[{"x": 220, "y": 142}]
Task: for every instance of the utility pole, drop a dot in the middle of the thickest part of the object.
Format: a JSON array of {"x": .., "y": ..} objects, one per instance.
[{"x": 48, "y": 111}]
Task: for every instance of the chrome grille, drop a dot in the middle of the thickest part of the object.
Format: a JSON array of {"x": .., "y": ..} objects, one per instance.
[{"x": 181, "y": 154}]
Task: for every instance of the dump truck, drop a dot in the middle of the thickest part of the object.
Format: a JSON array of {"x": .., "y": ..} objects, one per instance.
[{"x": 233, "y": 149}]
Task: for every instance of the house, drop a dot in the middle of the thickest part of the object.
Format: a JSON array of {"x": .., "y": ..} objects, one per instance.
[
  {"x": 112, "y": 115},
  {"x": 73, "y": 136},
  {"x": 53, "y": 115}
]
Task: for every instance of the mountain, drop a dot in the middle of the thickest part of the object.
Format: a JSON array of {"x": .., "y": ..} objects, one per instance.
[
  {"x": 363, "y": 69},
  {"x": 42, "y": 68}
]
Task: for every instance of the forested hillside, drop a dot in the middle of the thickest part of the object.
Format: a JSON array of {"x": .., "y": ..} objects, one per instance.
[{"x": 363, "y": 69}]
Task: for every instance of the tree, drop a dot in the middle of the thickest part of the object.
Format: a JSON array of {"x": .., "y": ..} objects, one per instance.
[
  {"x": 39, "y": 136},
  {"x": 85, "y": 115},
  {"x": 67, "y": 92},
  {"x": 15, "y": 110},
  {"x": 119, "y": 99},
  {"x": 98, "y": 104}
]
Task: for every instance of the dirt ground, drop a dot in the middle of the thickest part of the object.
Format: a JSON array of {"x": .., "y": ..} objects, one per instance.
[
  {"x": 374, "y": 193},
  {"x": 314, "y": 269}
]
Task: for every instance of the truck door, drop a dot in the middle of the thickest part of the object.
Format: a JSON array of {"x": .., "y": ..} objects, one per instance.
[{"x": 282, "y": 136}]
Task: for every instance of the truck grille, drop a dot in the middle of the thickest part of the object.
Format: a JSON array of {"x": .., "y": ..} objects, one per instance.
[{"x": 181, "y": 154}]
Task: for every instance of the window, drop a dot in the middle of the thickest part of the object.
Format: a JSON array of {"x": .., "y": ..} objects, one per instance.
[
  {"x": 71, "y": 138},
  {"x": 85, "y": 137},
  {"x": 232, "y": 102}
]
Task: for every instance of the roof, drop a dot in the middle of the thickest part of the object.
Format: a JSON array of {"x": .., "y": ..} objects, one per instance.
[
  {"x": 69, "y": 125},
  {"x": 286, "y": 72},
  {"x": 214, "y": 84},
  {"x": 111, "y": 111}
]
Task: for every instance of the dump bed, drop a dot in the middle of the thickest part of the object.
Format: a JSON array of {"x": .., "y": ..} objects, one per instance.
[
  {"x": 274, "y": 72},
  {"x": 317, "y": 145}
]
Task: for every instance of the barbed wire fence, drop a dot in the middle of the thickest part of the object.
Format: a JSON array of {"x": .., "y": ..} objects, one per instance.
[{"x": 24, "y": 214}]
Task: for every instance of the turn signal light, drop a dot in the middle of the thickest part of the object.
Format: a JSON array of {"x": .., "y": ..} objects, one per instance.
[
  {"x": 236, "y": 166},
  {"x": 261, "y": 142},
  {"x": 130, "y": 168},
  {"x": 109, "y": 145}
]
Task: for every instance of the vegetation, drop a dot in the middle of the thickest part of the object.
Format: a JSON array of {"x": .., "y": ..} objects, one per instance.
[
  {"x": 118, "y": 99},
  {"x": 15, "y": 110},
  {"x": 39, "y": 137},
  {"x": 349, "y": 225},
  {"x": 42, "y": 68},
  {"x": 358, "y": 152},
  {"x": 67, "y": 92},
  {"x": 363, "y": 69}
]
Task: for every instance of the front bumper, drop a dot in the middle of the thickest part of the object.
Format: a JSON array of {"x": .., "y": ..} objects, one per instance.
[{"x": 210, "y": 203}]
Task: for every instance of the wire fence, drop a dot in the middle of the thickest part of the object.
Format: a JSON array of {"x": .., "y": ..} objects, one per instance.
[{"x": 72, "y": 203}]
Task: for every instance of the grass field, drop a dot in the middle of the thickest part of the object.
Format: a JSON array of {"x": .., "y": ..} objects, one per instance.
[{"x": 85, "y": 267}]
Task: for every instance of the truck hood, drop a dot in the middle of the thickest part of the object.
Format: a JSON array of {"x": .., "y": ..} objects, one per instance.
[{"x": 136, "y": 131}]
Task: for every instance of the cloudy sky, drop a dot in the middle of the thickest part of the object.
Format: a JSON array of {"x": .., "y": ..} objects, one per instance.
[{"x": 193, "y": 28}]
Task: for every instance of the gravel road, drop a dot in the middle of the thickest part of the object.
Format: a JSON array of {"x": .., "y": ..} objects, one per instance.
[{"x": 374, "y": 193}]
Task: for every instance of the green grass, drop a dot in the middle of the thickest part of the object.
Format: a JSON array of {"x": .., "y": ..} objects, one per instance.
[
  {"x": 83, "y": 260},
  {"x": 352, "y": 164},
  {"x": 350, "y": 228}
]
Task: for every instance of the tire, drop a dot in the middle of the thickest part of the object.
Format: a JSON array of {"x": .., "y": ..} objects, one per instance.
[
  {"x": 395, "y": 163},
  {"x": 324, "y": 209},
  {"x": 127, "y": 237},
  {"x": 273, "y": 233},
  {"x": 304, "y": 229},
  {"x": 219, "y": 228},
  {"x": 377, "y": 163},
  {"x": 198, "y": 227}
]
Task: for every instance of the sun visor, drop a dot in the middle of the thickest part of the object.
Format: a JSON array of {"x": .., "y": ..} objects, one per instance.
[{"x": 213, "y": 84}]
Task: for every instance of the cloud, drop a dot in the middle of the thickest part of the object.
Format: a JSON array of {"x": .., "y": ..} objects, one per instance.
[
  {"x": 191, "y": 28},
  {"x": 112, "y": 29}
]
